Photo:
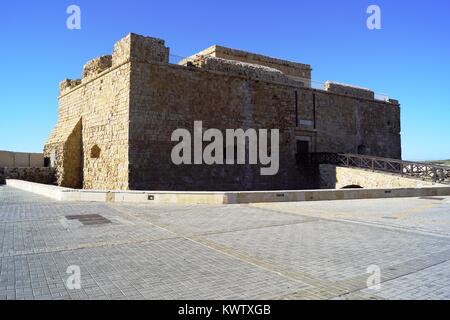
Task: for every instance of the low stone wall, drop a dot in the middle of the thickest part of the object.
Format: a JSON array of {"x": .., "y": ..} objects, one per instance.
[
  {"x": 239, "y": 68},
  {"x": 216, "y": 198},
  {"x": 332, "y": 177},
  {"x": 39, "y": 175},
  {"x": 21, "y": 159}
]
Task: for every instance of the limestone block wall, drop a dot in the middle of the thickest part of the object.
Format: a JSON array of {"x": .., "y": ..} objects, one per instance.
[
  {"x": 333, "y": 177},
  {"x": 68, "y": 84},
  {"x": 138, "y": 48},
  {"x": 105, "y": 126},
  {"x": 346, "y": 124},
  {"x": 167, "y": 97},
  {"x": 290, "y": 68},
  {"x": 100, "y": 106},
  {"x": 349, "y": 90},
  {"x": 238, "y": 68},
  {"x": 114, "y": 126},
  {"x": 39, "y": 175},
  {"x": 96, "y": 66},
  {"x": 21, "y": 159},
  {"x": 89, "y": 144}
]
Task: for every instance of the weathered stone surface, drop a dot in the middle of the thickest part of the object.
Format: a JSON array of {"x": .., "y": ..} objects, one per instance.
[
  {"x": 138, "y": 48},
  {"x": 349, "y": 90},
  {"x": 130, "y": 110},
  {"x": 21, "y": 159},
  {"x": 96, "y": 66},
  {"x": 68, "y": 84},
  {"x": 238, "y": 68},
  {"x": 289, "y": 68},
  {"x": 39, "y": 175},
  {"x": 332, "y": 177}
]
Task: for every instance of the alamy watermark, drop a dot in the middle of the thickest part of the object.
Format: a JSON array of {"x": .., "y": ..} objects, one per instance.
[
  {"x": 73, "y": 22},
  {"x": 231, "y": 151},
  {"x": 374, "y": 20},
  {"x": 374, "y": 280},
  {"x": 73, "y": 282}
]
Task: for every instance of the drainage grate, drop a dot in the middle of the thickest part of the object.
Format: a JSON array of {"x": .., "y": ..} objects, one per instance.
[
  {"x": 431, "y": 198},
  {"x": 89, "y": 219}
]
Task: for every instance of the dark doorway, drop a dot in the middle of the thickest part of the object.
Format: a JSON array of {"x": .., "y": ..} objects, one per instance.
[
  {"x": 362, "y": 149},
  {"x": 302, "y": 152}
]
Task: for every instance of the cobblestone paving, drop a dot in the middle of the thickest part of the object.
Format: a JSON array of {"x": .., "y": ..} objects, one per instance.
[{"x": 309, "y": 250}]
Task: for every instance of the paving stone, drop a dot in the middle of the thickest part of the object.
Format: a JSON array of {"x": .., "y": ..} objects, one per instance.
[{"x": 273, "y": 251}]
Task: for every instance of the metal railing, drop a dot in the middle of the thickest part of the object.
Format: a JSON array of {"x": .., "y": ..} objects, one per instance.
[{"x": 418, "y": 170}]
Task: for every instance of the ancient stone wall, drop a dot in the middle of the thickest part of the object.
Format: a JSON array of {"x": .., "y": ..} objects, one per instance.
[
  {"x": 96, "y": 66},
  {"x": 21, "y": 159},
  {"x": 118, "y": 120},
  {"x": 168, "y": 97},
  {"x": 238, "y": 68},
  {"x": 98, "y": 104},
  {"x": 346, "y": 124},
  {"x": 39, "y": 175},
  {"x": 349, "y": 90},
  {"x": 333, "y": 177},
  {"x": 137, "y": 48},
  {"x": 297, "y": 70}
]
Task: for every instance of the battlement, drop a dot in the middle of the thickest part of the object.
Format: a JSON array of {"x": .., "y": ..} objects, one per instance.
[
  {"x": 238, "y": 68},
  {"x": 96, "y": 66},
  {"x": 350, "y": 90},
  {"x": 131, "y": 48},
  {"x": 138, "y": 48},
  {"x": 298, "y": 71},
  {"x": 68, "y": 84}
]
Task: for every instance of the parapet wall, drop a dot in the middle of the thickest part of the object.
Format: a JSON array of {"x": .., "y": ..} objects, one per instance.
[
  {"x": 138, "y": 48},
  {"x": 96, "y": 66},
  {"x": 219, "y": 198},
  {"x": 333, "y": 177},
  {"x": 238, "y": 68},
  {"x": 21, "y": 159},
  {"x": 39, "y": 175},
  {"x": 350, "y": 90},
  {"x": 131, "y": 48},
  {"x": 294, "y": 69}
]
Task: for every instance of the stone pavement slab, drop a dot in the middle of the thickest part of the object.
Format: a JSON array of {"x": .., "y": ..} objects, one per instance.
[{"x": 303, "y": 250}]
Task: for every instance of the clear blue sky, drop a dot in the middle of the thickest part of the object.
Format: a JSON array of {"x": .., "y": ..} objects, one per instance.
[{"x": 409, "y": 59}]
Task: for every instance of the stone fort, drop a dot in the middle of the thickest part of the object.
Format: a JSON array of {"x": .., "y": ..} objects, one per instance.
[{"x": 115, "y": 124}]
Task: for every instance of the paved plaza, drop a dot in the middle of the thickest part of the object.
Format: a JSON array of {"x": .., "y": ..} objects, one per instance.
[{"x": 299, "y": 250}]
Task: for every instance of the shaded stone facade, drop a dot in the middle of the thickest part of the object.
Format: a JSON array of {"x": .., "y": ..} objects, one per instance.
[
  {"x": 115, "y": 125},
  {"x": 32, "y": 174}
]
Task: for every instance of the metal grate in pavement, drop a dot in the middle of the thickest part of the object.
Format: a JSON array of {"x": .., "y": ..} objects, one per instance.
[{"x": 89, "y": 219}]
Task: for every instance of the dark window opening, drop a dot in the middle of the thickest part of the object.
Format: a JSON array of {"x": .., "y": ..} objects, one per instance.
[{"x": 95, "y": 152}]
